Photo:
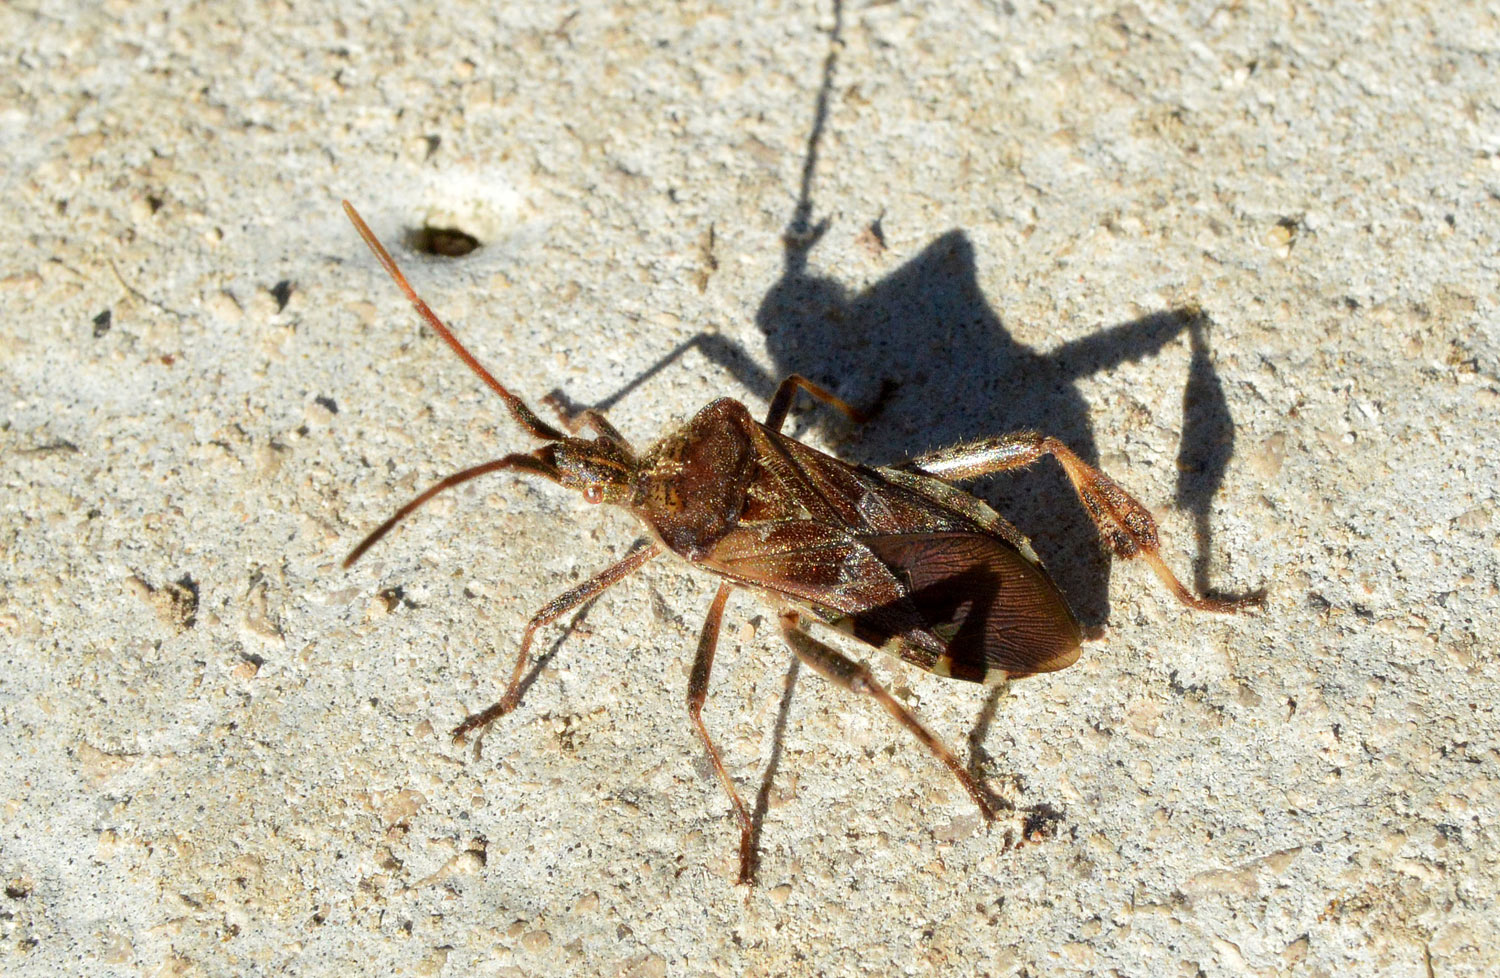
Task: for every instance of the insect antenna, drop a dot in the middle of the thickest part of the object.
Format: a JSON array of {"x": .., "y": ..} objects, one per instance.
[
  {"x": 524, "y": 416},
  {"x": 526, "y": 463}
]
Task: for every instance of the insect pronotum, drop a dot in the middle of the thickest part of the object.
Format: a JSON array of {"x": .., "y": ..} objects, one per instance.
[{"x": 896, "y": 557}]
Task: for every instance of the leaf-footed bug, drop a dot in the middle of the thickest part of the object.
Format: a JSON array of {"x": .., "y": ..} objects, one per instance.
[{"x": 896, "y": 557}]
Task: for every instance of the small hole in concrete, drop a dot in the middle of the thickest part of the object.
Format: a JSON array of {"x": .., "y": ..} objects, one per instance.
[{"x": 443, "y": 242}]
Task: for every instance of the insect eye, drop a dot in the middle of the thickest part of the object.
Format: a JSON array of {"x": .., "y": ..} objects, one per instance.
[{"x": 593, "y": 494}]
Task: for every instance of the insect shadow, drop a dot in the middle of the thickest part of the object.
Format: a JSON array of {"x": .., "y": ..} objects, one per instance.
[
  {"x": 926, "y": 349},
  {"x": 925, "y": 336}
]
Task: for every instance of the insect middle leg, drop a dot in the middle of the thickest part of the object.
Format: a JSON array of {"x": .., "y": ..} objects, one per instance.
[
  {"x": 703, "y": 663},
  {"x": 857, "y": 678},
  {"x": 552, "y": 611},
  {"x": 1126, "y": 526},
  {"x": 781, "y": 402}
]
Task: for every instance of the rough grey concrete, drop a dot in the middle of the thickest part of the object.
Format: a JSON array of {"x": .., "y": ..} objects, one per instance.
[{"x": 224, "y": 755}]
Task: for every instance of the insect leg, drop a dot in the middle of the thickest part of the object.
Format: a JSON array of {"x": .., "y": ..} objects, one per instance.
[
  {"x": 576, "y": 421},
  {"x": 1126, "y": 526},
  {"x": 856, "y": 677},
  {"x": 708, "y": 639},
  {"x": 554, "y": 610},
  {"x": 781, "y": 402},
  {"x": 601, "y": 426}
]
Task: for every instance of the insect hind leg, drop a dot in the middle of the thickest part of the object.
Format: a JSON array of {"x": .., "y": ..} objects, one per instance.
[
  {"x": 857, "y": 678},
  {"x": 1127, "y": 527}
]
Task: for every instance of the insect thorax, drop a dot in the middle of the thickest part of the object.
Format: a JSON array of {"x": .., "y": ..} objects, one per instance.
[{"x": 691, "y": 485}]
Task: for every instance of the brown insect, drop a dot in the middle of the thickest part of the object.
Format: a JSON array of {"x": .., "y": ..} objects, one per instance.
[{"x": 896, "y": 557}]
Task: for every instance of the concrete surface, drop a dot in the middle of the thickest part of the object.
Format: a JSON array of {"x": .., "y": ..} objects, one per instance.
[{"x": 1246, "y": 259}]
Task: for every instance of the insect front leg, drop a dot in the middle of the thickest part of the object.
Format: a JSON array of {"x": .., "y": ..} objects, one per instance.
[
  {"x": 553, "y": 610},
  {"x": 703, "y": 663},
  {"x": 1126, "y": 526},
  {"x": 857, "y": 678},
  {"x": 576, "y": 420}
]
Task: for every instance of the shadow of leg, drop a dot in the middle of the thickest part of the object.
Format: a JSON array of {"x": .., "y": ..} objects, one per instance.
[{"x": 778, "y": 737}]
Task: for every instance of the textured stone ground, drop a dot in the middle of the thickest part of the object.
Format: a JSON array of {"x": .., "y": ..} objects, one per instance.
[{"x": 1245, "y": 259}]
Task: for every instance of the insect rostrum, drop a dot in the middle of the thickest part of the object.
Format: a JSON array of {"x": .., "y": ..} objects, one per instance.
[{"x": 896, "y": 557}]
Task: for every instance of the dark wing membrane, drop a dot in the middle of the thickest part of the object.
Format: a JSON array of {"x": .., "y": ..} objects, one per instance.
[{"x": 992, "y": 608}]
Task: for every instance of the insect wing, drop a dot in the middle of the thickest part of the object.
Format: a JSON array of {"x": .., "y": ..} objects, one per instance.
[
  {"x": 812, "y": 562},
  {"x": 991, "y": 608}
]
